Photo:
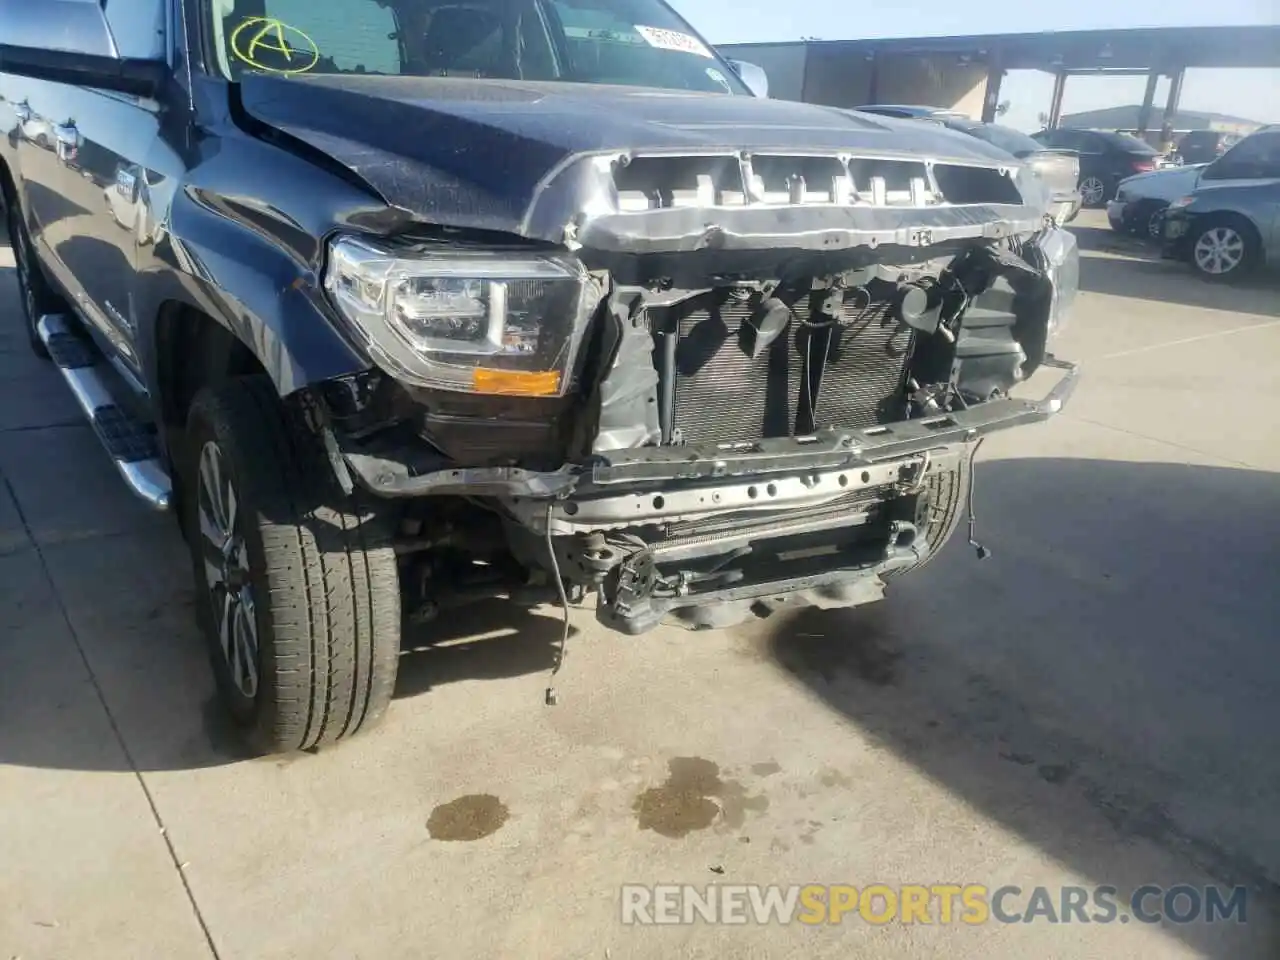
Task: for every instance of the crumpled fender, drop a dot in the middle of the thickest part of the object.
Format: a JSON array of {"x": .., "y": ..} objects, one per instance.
[{"x": 255, "y": 264}]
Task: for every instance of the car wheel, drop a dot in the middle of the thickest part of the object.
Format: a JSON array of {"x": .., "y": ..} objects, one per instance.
[
  {"x": 1155, "y": 223},
  {"x": 1093, "y": 192},
  {"x": 948, "y": 490},
  {"x": 297, "y": 589},
  {"x": 34, "y": 291},
  {"x": 1223, "y": 248},
  {"x": 1145, "y": 220}
]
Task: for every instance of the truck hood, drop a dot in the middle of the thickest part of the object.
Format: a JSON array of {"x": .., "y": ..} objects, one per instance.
[{"x": 525, "y": 158}]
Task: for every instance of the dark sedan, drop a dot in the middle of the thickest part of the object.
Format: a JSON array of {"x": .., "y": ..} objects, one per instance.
[
  {"x": 909, "y": 111},
  {"x": 1204, "y": 146},
  {"x": 1105, "y": 159}
]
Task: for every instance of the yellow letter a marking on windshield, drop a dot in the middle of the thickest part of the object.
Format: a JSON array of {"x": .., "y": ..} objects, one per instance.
[
  {"x": 272, "y": 29},
  {"x": 266, "y": 33}
]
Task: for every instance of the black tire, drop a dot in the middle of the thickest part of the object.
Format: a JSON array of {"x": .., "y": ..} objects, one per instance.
[
  {"x": 328, "y": 621},
  {"x": 1250, "y": 251},
  {"x": 948, "y": 492},
  {"x": 1145, "y": 215},
  {"x": 36, "y": 295}
]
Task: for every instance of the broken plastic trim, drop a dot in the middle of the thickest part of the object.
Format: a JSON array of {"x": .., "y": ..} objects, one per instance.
[
  {"x": 733, "y": 198},
  {"x": 821, "y": 228},
  {"x": 838, "y": 449}
]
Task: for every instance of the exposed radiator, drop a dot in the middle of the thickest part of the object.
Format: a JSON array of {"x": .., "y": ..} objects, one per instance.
[
  {"x": 867, "y": 357},
  {"x": 724, "y": 395}
]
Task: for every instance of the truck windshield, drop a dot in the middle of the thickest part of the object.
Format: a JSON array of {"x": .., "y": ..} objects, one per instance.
[{"x": 631, "y": 42}]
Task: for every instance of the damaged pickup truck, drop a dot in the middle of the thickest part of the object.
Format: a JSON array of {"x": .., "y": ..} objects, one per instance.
[{"x": 404, "y": 304}]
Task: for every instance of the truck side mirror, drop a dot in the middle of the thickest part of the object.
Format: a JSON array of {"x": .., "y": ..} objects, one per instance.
[
  {"x": 753, "y": 76},
  {"x": 74, "y": 46}
]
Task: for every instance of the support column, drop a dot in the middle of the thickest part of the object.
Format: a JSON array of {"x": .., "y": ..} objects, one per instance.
[
  {"x": 995, "y": 75},
  {"x": 1171, "y": 105},
  {"x": 873, "y": 82},
  {"x": 1055, "y": 106},
  {"x": 1144, "y": 115}
]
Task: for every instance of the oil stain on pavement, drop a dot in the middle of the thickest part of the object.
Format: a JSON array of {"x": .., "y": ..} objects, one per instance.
[
  {"x": 472, "y": 817},
  {"x": 694, "y": 797}
]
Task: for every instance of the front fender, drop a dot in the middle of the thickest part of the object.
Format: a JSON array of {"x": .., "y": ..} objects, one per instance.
[
  {"x": 240, "y": 237},
  {"x": 266, "y": 297}
]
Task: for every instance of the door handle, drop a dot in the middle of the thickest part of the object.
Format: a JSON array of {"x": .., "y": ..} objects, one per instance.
[{"x": 23, "y": 110}]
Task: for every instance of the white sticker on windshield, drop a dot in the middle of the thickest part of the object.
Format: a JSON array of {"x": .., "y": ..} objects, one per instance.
[
  {"x": 719, "y": 78},
  {"x": 598, "y": 35},
  {"x": 674, "y": 40}
]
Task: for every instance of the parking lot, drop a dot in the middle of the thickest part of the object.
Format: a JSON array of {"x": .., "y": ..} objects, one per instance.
[{"x": 1096, "y": 703}]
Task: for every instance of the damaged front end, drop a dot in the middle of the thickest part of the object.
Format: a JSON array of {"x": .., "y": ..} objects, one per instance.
[{"x": 738, "y": 380}]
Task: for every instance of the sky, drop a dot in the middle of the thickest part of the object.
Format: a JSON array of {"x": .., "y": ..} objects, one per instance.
[{"x": 1252, "y": 94}]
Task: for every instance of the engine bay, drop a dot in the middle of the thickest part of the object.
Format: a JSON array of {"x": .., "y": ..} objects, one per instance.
[{"x": 728, "y": 447}]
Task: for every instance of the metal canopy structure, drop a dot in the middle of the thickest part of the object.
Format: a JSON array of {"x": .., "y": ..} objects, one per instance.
[{"x": 1151, "y": 52}]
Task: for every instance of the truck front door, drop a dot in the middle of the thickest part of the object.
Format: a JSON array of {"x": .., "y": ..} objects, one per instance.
[{"x": 114, "y": 134}]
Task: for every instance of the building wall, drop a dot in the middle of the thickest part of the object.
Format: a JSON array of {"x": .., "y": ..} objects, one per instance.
[
  {"x": 783, "y": 63},
  {"x": 839, "y": 78},
  {"x": 932, "y": 81}
]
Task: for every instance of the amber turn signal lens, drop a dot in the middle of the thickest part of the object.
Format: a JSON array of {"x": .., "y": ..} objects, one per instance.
[{"x": 516, "y": 383}]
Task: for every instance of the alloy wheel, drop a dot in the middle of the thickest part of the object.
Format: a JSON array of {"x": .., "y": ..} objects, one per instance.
[
  {"x": 226, "y": 567},
  {"x": 1219, "y": 251},
  {"x": 1092, "y": 190},
  {"x": 1155, "y": 224}
]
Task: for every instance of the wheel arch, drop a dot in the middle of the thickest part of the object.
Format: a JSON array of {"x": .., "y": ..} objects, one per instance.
[
  {"x": 8, "y": 188},
  {"x": 258, "y": 283},
  {"x": 1255, "y": 249},
  {"x": 1230, "y": 218},
  {"x": 193, "y": 350}
]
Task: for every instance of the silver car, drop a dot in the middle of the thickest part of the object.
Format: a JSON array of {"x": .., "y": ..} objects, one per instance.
[
  {"x": 1141, "y": 200},
  {"x": 1226, "y": 231}
]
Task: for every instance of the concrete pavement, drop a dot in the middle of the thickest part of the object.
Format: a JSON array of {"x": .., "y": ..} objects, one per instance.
[{"x": 1094, "y": 704}]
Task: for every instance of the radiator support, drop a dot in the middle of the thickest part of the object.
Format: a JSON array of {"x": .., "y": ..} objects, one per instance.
[{"x": 840, "y": 361}]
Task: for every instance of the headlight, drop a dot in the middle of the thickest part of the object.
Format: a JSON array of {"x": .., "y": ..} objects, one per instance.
[
  {"x": 480, "y": 322},
  {"x": 1181, "y": 202}
]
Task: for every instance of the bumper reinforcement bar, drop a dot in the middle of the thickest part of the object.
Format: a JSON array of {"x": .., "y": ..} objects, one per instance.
[{"x": 830, "y": 451}]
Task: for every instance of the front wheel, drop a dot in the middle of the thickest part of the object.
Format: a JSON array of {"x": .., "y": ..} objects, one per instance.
[
  {"x": 1147, "y": 219},
  {"x": 1093, "y": 192},
  {"x": 296, "y": 583},
  {"x": 1223, "y": 249}
]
